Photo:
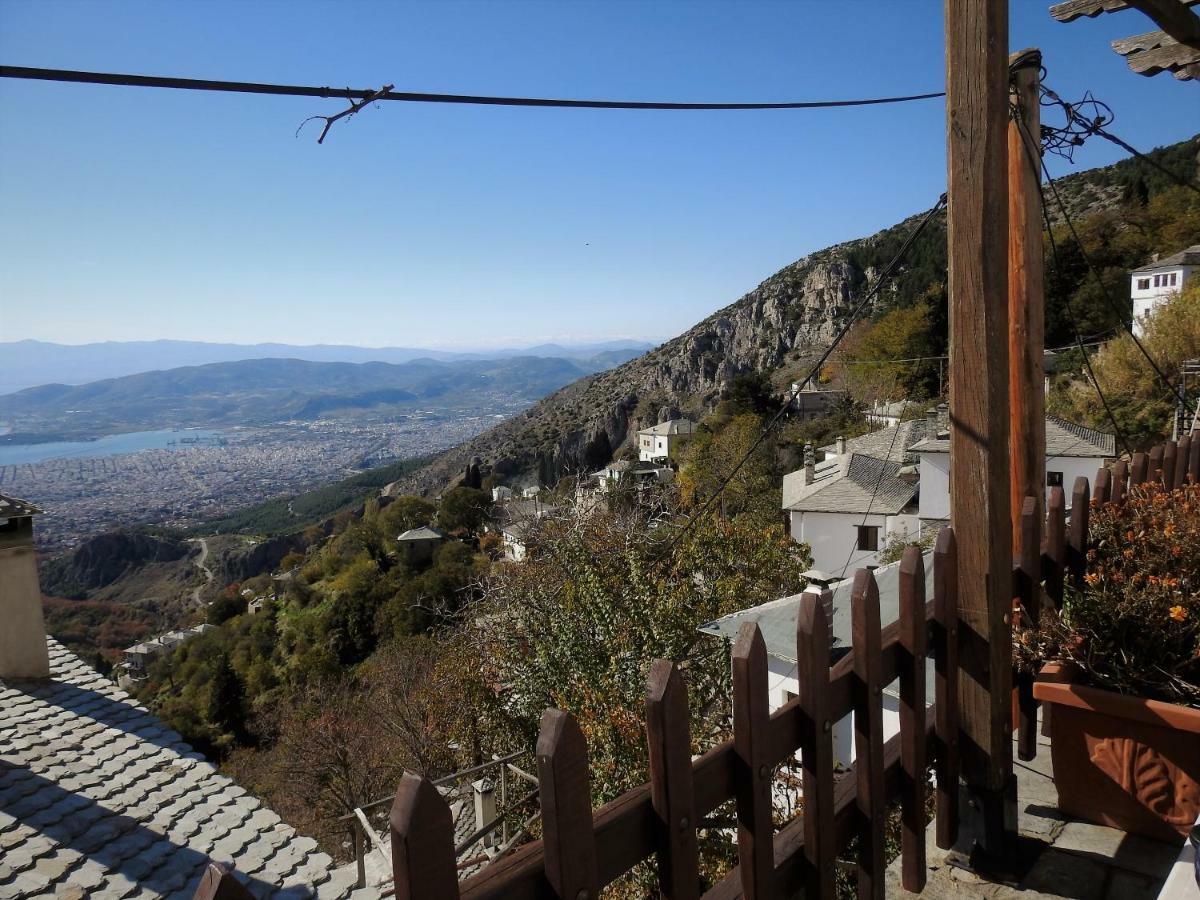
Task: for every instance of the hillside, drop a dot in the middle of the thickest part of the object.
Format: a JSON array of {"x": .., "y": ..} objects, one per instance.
[
  {"x": 773, "y": 329},
  {"x": 257, "y": 391}
]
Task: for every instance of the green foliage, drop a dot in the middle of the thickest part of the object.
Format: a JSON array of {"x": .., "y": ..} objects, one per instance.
[
  {"x": 752, "y": 392},
  {"x": 405, "y": 513},
  {"x": 721, "y": 442},
  {"x": 226, "y": 698},
  {"x": 463, "y": 508},
  {"x": 225, "y": 607},
  {"x": 904, "y": 334}
]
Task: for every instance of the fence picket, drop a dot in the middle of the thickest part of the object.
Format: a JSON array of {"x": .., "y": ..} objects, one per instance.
[
  {"x": 945, "y": 599},
  {"x": 868, "y": 733},
  {"x": 1028, "y": 594},
  {"x": 1120, "y": 475},
  {"x": 422, "y": 833},
  {"x": 219, "y": 883},
  {"x": 1154, "y": 472},
  {"x": 1077, "y": 533},
  {"x": 913, "y": 632},
  {"x": 668, "y": 737},
  {"x": 1138, "y": 469},
  {"x": 1103, "y": 485},
  {"x": 1193, "y": 468},
  {"x": 1054, "y": 552},
  {"x": 816, "y": 745},
  {"x": 1183, "y": 454},
  {"x": 756, "y": 852},
  {"x": 1169, "y": 451},
  {"x": 566, "y": 794}
]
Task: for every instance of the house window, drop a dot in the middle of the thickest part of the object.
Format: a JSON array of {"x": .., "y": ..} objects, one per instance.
[
  {"x": 1174, "y": 277},
  {"x": 1143, "y": 284},
  {"x": 1158, "y": 281},
  {"x": 1054, "y": 479},
  {"x": 868, "y": 537}
]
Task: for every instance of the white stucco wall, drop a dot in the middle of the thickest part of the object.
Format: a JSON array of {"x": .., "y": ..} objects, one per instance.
[
  {"x": 935, "y": 479},
  {"x": 833, "y": 536},
  {"x": 1145, "y": 299}
]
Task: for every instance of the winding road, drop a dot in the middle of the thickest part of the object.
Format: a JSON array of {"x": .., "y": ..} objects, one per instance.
[{"x": 208, "y": 575}]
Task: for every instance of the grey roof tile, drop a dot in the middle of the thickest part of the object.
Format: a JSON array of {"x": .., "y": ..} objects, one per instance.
[{"x": 99, "y": 798}]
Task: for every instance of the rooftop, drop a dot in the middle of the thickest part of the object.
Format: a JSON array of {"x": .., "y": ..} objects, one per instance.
[
  {"x": 1063, "y": 438},
  {"x": 98, "y": 798},
  {"x": 864, "y": 484},
  {"x": 1188, "y": 257},
  {"x": 12, "y": 508},
  {"x": 673, "y": 426},
  {"x": 424, "y": 533},
  {"x": 891, "y": 443}
]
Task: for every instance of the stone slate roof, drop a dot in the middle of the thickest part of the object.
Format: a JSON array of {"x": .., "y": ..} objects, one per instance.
[
  {"x": 424, "y": 533},
  {"x": 1063, "y": 438},
  {"x": 12, "y": 508},
  {"x": 864, "y": 484},
  {"x": 891, "y": 443},
  {"x": 674, "y": 426},
  {"x": 99, "y": 799},
  {"x": 1188, "y": 257}
]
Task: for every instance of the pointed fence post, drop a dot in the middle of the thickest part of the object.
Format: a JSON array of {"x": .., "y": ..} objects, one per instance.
[
  {"x": 1182, "y": 457},
  {"x": 1028, "y": 584},
  {"x": 566, "y": 795},
  {"x": 219, "y": 883},
  {"x": 422, "y": 831},
  {"x": 816, "y": 745},
  {"x": 1138, "y": 468},
  {"x": 1054, "y": 553},
  {"x": 751, "y": 713},
  {"x": 868, "y": 733},
  {"x": 1193, "y": 468},
  {"x": 913, "y": 634},
  {"x": 1156, "y": 461},
  {"x": 945, "y": 599},
  {"x": 668, "y": 737},
  {"x": 1103, "y": 485},
  {"x": 1120, "y": 474},
  {"x": 1170, "y": 450},
  {"x": 1077, "y": 533}
]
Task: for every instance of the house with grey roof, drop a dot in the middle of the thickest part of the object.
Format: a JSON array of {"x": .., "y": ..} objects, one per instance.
[
  {"x": 99, "y": 799},
  {"x": 1071, "y": 450},
  {"x": 1152, "y": 284},
  {"x": 416, "y": 545},
  {"x": 777, "y": 623},
  {"x": 662, "y": 441}
]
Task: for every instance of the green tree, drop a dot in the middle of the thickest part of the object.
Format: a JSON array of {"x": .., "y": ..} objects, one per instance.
[
  {"x": 463, "y": 508},
  {"x": 404, "y": 513},
  {"x": 226, "y": 699}
]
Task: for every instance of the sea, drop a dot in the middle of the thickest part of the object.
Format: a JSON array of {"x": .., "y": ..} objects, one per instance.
[{"x": 109, "y": 445}]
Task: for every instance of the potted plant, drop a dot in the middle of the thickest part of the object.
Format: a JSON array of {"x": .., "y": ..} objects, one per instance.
[{"x": 1120, "y": 668}]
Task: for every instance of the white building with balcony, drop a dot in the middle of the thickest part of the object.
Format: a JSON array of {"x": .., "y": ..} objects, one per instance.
[{"x": 1152, "y": 284}]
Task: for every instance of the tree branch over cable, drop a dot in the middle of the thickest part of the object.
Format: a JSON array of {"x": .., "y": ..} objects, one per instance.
[{"x": 355, "y": 106}]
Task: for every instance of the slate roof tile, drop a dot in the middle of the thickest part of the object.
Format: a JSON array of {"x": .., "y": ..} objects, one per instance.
[{"x": 99, "y": 799}]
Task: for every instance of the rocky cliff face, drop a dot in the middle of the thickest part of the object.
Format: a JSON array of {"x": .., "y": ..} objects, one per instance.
[
  {"x": 792, "y": 314},
  {"x": 105, "y": 558}
]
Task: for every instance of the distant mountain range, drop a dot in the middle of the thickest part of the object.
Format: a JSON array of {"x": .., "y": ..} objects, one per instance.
[
  {"x": 31, "y": 363},
  {"x": 261, "y": 391}
]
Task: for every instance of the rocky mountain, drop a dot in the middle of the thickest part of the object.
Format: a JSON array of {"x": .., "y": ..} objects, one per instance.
[{"x": 775, "y": 329}]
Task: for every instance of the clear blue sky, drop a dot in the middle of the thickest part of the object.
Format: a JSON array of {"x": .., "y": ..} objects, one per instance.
[{"x": 130, "y": 213}]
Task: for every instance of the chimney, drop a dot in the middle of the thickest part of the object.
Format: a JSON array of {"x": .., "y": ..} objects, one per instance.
[
  {"x": 23, "y": 652},
  {"x": 840, "y": 444},
  {"x": 810, "y": 466}
]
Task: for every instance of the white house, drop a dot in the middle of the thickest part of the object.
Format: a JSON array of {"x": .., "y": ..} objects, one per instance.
[
  {"x": 863, "y": 494},
  {"x": 664, "y": 439},
  {"x": 1151, "y": 284},
  {"x": 777, "y": 623},
  {"x": 515, "y": 536},
  {"x": 1071, "y": 450},
  {"x": 811, "y": 403}
]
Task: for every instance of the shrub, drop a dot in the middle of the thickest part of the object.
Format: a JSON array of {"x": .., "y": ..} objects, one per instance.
[{"x": 1134, "y": 627}]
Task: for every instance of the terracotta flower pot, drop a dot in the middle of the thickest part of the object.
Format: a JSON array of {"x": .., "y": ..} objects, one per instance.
[{"x": 1122, "y": 761}]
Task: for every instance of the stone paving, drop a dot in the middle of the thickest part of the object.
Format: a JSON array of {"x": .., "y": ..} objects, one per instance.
[
  {"x": 1075, "y": 860},
  {"x": 99, "y": 799}
]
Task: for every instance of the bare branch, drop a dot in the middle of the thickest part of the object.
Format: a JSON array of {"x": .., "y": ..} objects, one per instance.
[{"x": 353, "y": 108}]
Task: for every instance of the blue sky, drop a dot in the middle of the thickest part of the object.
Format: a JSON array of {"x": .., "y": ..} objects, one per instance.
[{"x": 137, "y": 214}]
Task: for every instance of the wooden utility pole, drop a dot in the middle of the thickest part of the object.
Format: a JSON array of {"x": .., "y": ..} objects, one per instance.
[
  {"x": 1026, "y": 298},
  {"x": 980, "y": 509}
]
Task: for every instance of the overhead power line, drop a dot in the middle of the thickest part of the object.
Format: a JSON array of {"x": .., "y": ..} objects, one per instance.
[{"x": 373, "y": 94}]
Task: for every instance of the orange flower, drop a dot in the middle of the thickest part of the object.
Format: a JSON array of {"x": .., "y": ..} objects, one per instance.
[{"x": 1178, "y": 613}]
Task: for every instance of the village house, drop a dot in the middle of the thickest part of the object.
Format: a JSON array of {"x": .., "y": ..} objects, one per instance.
[
  {"x": 812, "y": 403},
  {"x": 416, "y": 545},
  {"x": 663, "y": 440},
  {"x": 777, "y": 622},
  {"x": 516, "y": 538},
  {"x": 136, "y": 660},
  {"x": 1071, "y": 450},
  {"x": 1153, "y": 283}
]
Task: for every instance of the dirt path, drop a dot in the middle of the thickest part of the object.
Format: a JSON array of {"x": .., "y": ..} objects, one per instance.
[{"x": 208, "y": 575}]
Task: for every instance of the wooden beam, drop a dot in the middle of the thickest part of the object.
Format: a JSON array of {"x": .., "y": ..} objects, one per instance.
[
  {"x": 980, "y": 510},
  {"x": 1026, "y": 298},
  {"x": 1074, "y": 9},
  {"x": 1173, "y": 17}
]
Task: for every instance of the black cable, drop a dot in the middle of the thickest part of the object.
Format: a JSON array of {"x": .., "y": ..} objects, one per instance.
[
  {"x": 244, "y": 87},
  {"x": 874, "y": 492},
  {"x": 791, "y": 398}
]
